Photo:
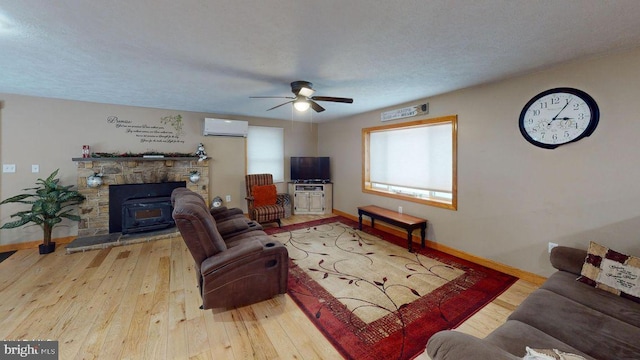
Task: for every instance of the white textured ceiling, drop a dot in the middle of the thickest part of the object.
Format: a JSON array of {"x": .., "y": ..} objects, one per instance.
[{"x": 212, "y": 55}]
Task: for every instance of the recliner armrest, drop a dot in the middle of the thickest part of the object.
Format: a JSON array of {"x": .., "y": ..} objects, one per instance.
[
  {"x": 230, "y": 256},
  {"x": 454, "y": 345},
  {"x": 232, "y": 226},
  {"x": 218, "y": 210},
  {"x": 223, "y": 213}
]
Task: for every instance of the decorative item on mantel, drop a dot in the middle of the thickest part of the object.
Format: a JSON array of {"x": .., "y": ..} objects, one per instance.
[
  {"x": 194, "y": 176},
  {"x": 94, "y": 180},
  {"x": 201, "y": 153},
  {"x": 145, "y": 155}
]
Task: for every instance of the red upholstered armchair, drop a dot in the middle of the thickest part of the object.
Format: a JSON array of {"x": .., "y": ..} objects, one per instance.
[{"x": 263, "y": 201}]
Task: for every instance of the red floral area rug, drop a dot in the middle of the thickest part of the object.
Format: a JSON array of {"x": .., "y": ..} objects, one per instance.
[{"x": 372, "y": 298}]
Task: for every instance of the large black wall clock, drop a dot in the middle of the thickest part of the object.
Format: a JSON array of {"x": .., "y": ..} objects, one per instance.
[{"x": 559, "y": 116}]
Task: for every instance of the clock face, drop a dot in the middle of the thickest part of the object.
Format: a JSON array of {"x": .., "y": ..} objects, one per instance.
[
  {"x": 217, "y": 202},
  {"x": 558, "y": 116}
]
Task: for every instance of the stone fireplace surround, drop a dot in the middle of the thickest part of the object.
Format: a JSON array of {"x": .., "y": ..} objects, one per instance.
[{"x": 94, "y": 211}]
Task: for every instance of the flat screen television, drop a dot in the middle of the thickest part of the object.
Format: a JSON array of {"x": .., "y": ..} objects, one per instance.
[{"x": 310, "y": 169}]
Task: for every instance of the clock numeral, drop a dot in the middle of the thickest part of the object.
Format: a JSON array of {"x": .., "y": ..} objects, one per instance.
[
  {"x": 566, "y": 134},
  {"x": 576, "y": 106},
  {"x": 581, "y": 116},
  {"x": 555, "y": 100},
  {"x": 536, "y": 112},
  {"x": 543, "y": 105}
]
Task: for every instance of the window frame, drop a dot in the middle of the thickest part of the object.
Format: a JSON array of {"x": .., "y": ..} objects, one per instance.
[{"x": 367, "y": 187}]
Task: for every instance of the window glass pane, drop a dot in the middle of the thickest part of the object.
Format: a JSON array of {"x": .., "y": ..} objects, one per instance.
[
  {"x": 414, "y": 161},
  {"x": 416, "y": 157},
  {"x": 265, "y": 151}
]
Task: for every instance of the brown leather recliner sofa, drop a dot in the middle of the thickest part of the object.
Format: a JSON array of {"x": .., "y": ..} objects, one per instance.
[
  {"x": 243, "y": 268},
  {"x": 229, "y": 222}
]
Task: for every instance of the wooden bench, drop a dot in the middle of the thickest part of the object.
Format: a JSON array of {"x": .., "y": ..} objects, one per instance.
[{"x": 404, "y": 221}]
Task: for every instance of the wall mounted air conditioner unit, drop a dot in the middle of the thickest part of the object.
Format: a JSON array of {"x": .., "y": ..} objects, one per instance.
[{"x": 222, "y": 127}]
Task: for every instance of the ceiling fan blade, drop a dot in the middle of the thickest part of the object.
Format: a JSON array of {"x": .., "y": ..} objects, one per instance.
[
  {"x": 315, "y": 106},
  {"x": 271, "y": 97},
  {"x": 333, "y": 99},
  {"x": 277, "y": 106}
]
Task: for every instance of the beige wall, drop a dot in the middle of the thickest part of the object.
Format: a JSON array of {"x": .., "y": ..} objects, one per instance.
[
  {"x": 514, "y": 198},
  {"x": 49, "y": 132}
]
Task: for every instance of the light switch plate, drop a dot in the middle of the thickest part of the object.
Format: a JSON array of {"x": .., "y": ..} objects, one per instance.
[
  {"x": 35, "y": 168},
  {"x": 8, "y": 168}
]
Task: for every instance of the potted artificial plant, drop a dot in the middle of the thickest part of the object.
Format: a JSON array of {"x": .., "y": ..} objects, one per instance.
[{"x": 50, "y": 203}]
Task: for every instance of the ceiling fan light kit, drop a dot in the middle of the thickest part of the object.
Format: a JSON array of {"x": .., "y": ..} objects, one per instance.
[
  {"x": 303, "y": 99},
  {"x": 305, "y": 91},
  {"x": 301, "y": 105}
]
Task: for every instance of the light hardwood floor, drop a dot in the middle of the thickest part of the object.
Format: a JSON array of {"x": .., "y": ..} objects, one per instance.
[{"x": 141, "y": 302}]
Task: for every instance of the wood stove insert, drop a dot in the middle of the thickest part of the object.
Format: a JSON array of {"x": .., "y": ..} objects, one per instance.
[{"x": 141, "y": 207}]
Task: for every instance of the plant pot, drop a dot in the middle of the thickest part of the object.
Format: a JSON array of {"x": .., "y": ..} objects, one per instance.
[{"x": 47, "y": 249}]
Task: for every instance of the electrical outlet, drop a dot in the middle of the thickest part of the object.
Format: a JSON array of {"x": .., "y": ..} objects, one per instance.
[
  {"x": 551, "y": 246},
  {"x": 8, "y": 168},
  {"x": 35, "y": 168},
  {"x": 227, "y": 198}
]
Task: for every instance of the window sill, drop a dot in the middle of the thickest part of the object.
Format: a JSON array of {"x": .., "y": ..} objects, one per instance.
[{"x": 430, "y": 202}]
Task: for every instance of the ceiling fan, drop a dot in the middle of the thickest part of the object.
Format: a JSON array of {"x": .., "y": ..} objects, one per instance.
[{"x": 303, "y": 99}]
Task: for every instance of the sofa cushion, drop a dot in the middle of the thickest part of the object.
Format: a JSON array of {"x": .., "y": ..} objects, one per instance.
[
  {"x": 594, "y": 333},
  {"x": 455, "y": 345},
  {"x": 612, "y": 271},
  {"x": 264, "y": 195},
  {"x": 565, "y": 284},
  {"x": 514, "y": 336}
]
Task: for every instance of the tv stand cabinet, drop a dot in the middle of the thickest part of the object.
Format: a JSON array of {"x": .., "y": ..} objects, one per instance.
[{"x": 309, "y": 198}]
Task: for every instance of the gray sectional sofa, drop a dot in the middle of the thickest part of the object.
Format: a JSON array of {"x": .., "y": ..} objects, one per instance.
[{"x": 562, "y": 314}]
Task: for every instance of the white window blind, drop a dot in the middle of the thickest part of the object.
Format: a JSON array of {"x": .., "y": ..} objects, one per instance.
[
  {"x": 416, "y": 157},
  {"x": 265, "y": 151}
]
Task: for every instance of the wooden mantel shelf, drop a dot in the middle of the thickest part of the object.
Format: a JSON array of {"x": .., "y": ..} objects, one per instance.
[{"x": 125, "y": 158}]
